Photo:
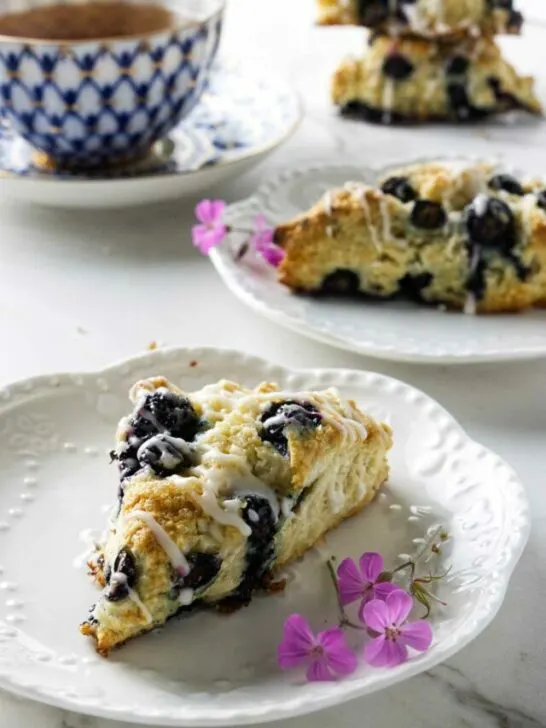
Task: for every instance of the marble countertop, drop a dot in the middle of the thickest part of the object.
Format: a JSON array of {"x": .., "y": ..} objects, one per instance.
[{"x": 153, "y": 286}]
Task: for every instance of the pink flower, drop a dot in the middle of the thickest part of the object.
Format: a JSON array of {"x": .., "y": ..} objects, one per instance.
[
  {"x": 326, "y": 655},
  {"x": 388, "y": 619},
  {"x": 212, "y": 230},
  {"x": 361, "y": 582},
  {"x": 262, "y": 242}
]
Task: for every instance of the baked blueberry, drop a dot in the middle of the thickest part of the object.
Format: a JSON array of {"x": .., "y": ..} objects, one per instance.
[
  {"x": 490, "y": 223},
  {"x": 399, "y": 187},
  {"x": 457, "y": 66},
  {"x": 204, "y": 569},
  {"x": 541, "y": 199},
  {"x": 501, "y": 4},
  {"x": 279, "y": 415},
  {"x": 375, "y": 12},
  {"x": 127, "y": 461},
  {"x": 412, "y": 286},
  {"x": 165, "y": 412},
  {"x": 122, "y": 578},
  {"x": 459, "y": 102},
  {"x": 507, "y": 183},
  {"x": 397, "y": 67},
  {"x": 165, "y": 454},
  {"x": 260, "y": 548},
  {"x": 342, "y": 280},
  {"x": 515, "y": 21},
  {"x": 428, "y": 215}
]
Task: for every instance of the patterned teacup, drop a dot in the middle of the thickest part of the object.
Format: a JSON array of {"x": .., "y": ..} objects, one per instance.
[{"x": 92, "y": 83}]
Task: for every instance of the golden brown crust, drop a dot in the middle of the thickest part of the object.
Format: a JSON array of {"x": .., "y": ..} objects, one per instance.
[
  {"x": 490, "y": 85},
  {"x": 371, "y": 237}
]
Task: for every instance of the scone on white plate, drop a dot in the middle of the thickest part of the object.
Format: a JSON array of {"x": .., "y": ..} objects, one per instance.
[
  {"x": 452, "y": 233},
  {"x": 221, "y": 488}
]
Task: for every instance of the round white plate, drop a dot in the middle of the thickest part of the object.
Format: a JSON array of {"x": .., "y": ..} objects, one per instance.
[
  {"x": 400, "y": 331},
  {"x": 241, "y": 117},
  {"x": 211, "y": 669}
]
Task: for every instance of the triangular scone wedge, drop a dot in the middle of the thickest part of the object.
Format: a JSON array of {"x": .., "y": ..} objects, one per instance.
[
  {"x": 219, "y": 489},
  {"x": 416, "y": 80},
  {"x": 445, "y": 19},
  {"x": 450, "y": 233}
]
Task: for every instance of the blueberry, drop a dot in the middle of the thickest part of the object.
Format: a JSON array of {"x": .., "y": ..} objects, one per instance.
[
  {"x": 165, "y": 411},
  {"x": 457, "y": 66},
  {"x": 372, "y": 12},
  {"x": 515, "y": 21},
  {"x": 428, "y": 215},
  {"x": 397, "y": 67},
  {"x": 124, "y": 565},
  {"x": 459, "y": 102},
  {"x": 127, "y": 461},
  {"x": 399, "y": 187},
  {"x": 277, "y": 416},
  {"x": 541, "y": 199},
  {"x": 412, "y": 286},
  {"x": 501, "y": 4},
  {"x": 164, "y": 454},
  {"x": 260, "y": 548},
  {"x": 204, "y": 569},
  {"x": 341, "y": 281},
  {"x": 507, "y": 183},
  {"x": 490, "y": 223}
]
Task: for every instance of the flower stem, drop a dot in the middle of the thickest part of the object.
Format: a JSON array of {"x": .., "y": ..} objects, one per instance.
[{"x": 344, "y": 620}]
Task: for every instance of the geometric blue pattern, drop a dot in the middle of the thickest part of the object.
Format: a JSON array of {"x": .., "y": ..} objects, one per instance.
[
  {"x": 238, "y": 115},
  {"x": 95, "y": 100}
]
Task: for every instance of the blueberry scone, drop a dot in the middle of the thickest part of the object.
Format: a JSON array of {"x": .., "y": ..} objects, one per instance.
[
  {"x": 446, "y": 233},
  {"x": 221, "y": 488},
  {"x": 413, "y": 80},
  {"x": 434, "y": 18}
]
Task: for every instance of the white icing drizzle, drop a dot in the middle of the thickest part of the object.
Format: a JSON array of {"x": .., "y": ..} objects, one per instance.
[
  {"x": 176, "y": 557},
  {"x": 167, "y": 457},
  {"x": 327, "y": 202},
  {"x": 185, "y": 597},
  {"x": 119, "y": 578},
  {"x": 470, "y": 306},
  {"x": 208, "y": 501},
  {"x": 480, "y": 204},
  {"x": 388, "y": 100},
  {"x": 359, "y": 193},
  {"x": 287, "y": 504}
]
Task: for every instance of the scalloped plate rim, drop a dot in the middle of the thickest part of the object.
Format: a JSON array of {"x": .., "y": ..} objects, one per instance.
[{"x": 21, "y": 389}]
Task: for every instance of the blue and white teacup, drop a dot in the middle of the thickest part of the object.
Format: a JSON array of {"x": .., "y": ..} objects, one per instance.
[{"x": 103, "y": 99}]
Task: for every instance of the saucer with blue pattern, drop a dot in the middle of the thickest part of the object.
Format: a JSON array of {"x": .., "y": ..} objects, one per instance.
[{"x": 240, "y": 119}]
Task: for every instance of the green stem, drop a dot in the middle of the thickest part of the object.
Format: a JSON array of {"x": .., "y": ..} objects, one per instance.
[{"x": 344, "y": 620}]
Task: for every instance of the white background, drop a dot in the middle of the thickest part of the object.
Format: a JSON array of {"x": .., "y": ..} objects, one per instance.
[{"x": 81, "y": 289}]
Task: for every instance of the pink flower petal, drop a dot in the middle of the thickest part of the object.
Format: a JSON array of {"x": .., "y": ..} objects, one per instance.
[
  {"x": 371, "y": 565},
  {"x": 383, "y": 589},
  {"x": 397, "y": 653},
  {"x": 339, "y": 656},
  {"x": 399, "y": 604},
  {"x": 375, "y": 651},
  {"x": 349, "y": 582},
  {"x": 318, "y": 672},
  {"x": 298, "y": 641},
  {"x": 217, "y": 209},
  {"x": 375, "y": 615},
  {"x": 203, "y": 211},
  {"x": 273, "y": 254},
  {"x": 417, "y": 635},
  {"x": 205, "y": 238}
]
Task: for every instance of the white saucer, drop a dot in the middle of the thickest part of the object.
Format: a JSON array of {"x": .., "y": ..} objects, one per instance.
[
  {"x": 240, "y": 119},
  {"x": 208, "y": 669},
  {"x": 400, "y": 331}
]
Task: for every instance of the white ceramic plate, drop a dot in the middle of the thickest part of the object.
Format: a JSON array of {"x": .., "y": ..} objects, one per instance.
[
  {"x": 242, "y": 116},
  {"x": 400, "y": 331},
  {"x": 213, "y": 670}
]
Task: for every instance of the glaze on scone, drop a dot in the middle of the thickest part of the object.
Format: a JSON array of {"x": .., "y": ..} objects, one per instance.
[
  {"x": 221, "y": 488},
  {"x": 446, "y": 233},
  {"x": 413, "y": 80},
  {"x": 434, "y": 18}
]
